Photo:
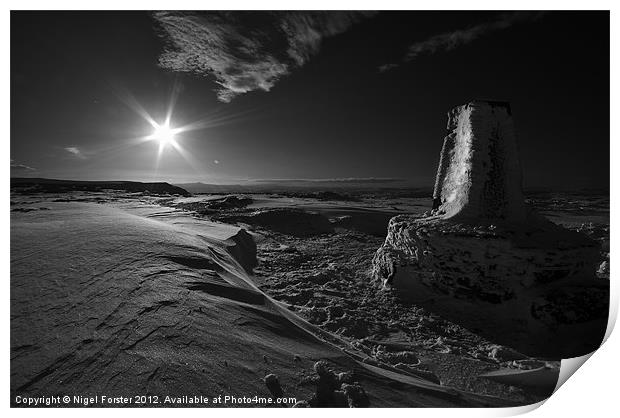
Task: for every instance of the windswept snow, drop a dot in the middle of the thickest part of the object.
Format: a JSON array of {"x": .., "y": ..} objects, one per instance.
[{"x": 128, "y": 298}]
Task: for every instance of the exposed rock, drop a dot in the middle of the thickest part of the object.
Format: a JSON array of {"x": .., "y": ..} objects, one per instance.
[
  {"x": 229, "y": 202},
  {"x": 273, "y": 384},
  {"x": 603, "y": 269},
  {"x": 484, "y": 259},
  {"x": 213, "y": 206},
  {"x": 356, "y": 396},
  {"x": 502, "y": 354},
  {"x": 322, "y": 369},
  {"x": 336, "y": 390},
  {"x": 243, "y": 249},
  {"x": 345, "y": 377},
  {"x": 326, "y": 387},
  {"x": 286, "y": 221}
]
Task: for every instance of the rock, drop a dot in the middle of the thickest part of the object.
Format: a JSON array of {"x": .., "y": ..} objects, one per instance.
[
  {"x": 335, "y": 311},
  {"x": 229, "y": 202},
  {"x": 243, "y": 249},
  {"x": 319, "y": 278},
  {"x": 345, "y": 377},
  {"x": 479, "y": 174},
  {"x": 501, "y": 354},
  {"x": 356, "y": 396},
  {"x": 213, "y": 206},
  {"x": 339, "y": 399},
  {"x": 528, "y": 364},
  {"x": 293, "y": 222},
  {"x": 336, "y": 390},
  {"x": 326, "y": 385},
  {"x": 487, "y": 261},
  {"x": 322, "y": 368},
  {"x": 273, "y": 384}
]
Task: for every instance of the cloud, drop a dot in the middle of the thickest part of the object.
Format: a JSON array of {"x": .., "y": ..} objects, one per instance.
[
  {"x": 21, "y": 167},
  {"x": 246, "y": 51},
  {"x": 448, "y": 41},
  {"x": 386, "y": 67},
  {"x": 76, "y": 152}
]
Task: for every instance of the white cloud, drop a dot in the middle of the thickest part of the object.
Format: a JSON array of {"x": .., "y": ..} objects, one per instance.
[
  {"x": 75, "y": 151},
  {"x": 246, "y": 51},
  {"x": 450, "y": 40},
  {"x": 21, "y": 167}
]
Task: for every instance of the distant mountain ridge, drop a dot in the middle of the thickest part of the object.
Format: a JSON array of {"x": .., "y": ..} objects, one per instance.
[
  {"x": 43, "y": 185},
  {"x": 276, "y": 186}
]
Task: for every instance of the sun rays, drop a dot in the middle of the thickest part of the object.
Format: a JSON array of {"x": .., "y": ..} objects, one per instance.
[
  {"x": 164, "y": 135},
  {"x": 167, "y": 135}
]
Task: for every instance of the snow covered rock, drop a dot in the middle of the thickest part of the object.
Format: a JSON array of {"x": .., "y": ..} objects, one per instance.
[
  {"x": 243, "y": 249},
  {"x": 484, "y": 259},
  {"x": 287, "y": 221},
  {"x": 479, "y": 174}
]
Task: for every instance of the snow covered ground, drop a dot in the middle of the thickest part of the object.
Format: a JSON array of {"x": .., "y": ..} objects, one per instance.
[{"x": 114, "y": 295}]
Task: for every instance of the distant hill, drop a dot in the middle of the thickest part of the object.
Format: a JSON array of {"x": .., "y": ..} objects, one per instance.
[
  {"x": 41, "y": 185},
  {"x": 279, "y": 186},
  {"x": 218, "y": 188}
]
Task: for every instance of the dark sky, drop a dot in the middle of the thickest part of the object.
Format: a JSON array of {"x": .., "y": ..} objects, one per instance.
[{"x": 331, "y": 113}]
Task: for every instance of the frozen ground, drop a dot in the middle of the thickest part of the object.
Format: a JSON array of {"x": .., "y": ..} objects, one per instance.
[
  {"x": 122, "y": 293},
  {"x": 324, "y": 275},
  {"x": 112, "y": 294}
]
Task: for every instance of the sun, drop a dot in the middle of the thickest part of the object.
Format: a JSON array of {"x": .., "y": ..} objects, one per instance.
[{"x": 164, "y": 134}]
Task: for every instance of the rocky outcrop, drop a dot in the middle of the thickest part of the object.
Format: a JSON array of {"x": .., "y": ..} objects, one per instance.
[
  {"x": 483, "y": 259},
  {"x": 243, "y": 249}
]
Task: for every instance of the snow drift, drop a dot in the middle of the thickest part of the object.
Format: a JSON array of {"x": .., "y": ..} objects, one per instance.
[{"x": 136, "y": 299}]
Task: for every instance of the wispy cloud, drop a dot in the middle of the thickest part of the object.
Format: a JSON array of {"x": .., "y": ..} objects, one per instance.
[
  {"x": 21, "y": 167},
  {"x": 387, "y": 67},
  {"x": 448, "y": 41},
  {"x": 75, "y": 151},
  {"x": 246, "y": 51}
]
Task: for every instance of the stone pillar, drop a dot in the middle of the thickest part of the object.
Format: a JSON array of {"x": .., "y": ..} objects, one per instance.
[
  {"x": 487, "y": 261},
  {"x": 479, "y": 174}
]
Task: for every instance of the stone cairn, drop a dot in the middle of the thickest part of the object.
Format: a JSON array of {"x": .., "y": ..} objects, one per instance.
[{"x": 484, "y": 259}]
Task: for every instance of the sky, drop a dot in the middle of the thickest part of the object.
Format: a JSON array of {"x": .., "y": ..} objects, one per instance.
[{"x": 302, "y": 95}]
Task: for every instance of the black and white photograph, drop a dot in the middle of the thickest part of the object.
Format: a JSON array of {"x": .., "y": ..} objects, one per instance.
[{"x": 306, "y": 208}]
